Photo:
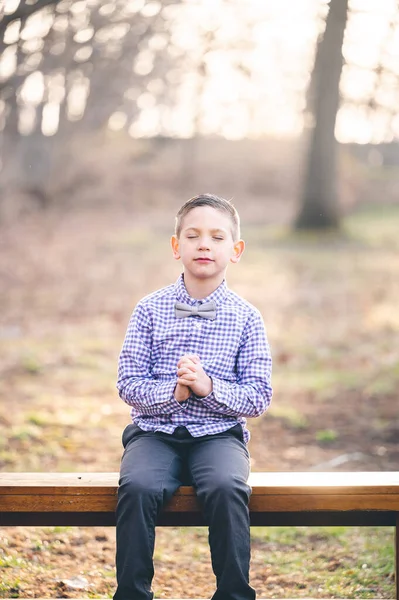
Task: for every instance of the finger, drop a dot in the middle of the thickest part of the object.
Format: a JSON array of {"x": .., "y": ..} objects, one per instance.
[
  {"x": 186, "y": 370},
  {"x": 194, "y": 357},
  {"x": 186, "y": 365},
  {"x": 187, "y": 376},
  {"x": 185, "y": 361},
  {"x": 190, "y": 358},
  {"x": 186, "y": 381}
]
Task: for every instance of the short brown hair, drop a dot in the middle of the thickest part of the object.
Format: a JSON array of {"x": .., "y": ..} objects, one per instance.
[{"x": 215, "y": 202}]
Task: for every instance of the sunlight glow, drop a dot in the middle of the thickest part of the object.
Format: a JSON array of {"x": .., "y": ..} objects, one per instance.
[
  {"x": 358, "y": 83},
  {"x": 158, "y": 42},
  {"x": 60, "y": 23},
  {"x": 32, "y": 90},
  {"x": 84, "y": 35},
  {"x": 58, "y": 48},
  {"x": 10, "y": 6},
  {"x": 175, "y": 124},
  {"x": 83, "y": 54},
  {"x": 37, "y": 25},
  {"x": 134, "y": 5},
  {"x": 8, "y": 62},
  {"x": 147, "y": 124},
  {"x": 33, "y": 45},
  {"x": 156, "y": 86},
  {"x": 56, "y": 88},
  {"x": 144, "y": 63},
  {"x": 31, "y": 63},
  {"x": 117, "y": 121},
  {"x": 50, "y": 118},
  {"x": 244, "y": 89},
  {"x": 78, "y": 7},
  {"x": 353, "y": 122},
  {"x": 107, "y": 9},
  {"x": 146, "y": 100},
  {"x": 77, "y": 98},
  {"x": 11, "y": 35},
  {"x": 26, "y": 119},
  {"x": 150, "y": 9},
  {"x": 233, "y": 68}
]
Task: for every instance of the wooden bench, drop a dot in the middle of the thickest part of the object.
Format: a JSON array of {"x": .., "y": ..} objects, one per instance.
[{"x": 287, "y": 499}]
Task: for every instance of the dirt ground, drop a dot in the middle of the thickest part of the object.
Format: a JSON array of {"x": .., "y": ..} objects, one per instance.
[{"x": 68, "y": 283}]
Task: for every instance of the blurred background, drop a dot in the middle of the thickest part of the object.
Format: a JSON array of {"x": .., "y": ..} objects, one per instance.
[
  {"x": 112, "y": 114},
  {"x": 136, "y": 101}
]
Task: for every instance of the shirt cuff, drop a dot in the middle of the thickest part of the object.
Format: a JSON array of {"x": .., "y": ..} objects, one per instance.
[
  {"x": 172, "y": 405},
  {"x": 220, "y": 389},
  {"x": 166, "y": 401}
]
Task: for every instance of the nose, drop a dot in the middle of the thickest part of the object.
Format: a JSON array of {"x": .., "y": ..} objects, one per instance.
[{"x": 203, "y": 244}]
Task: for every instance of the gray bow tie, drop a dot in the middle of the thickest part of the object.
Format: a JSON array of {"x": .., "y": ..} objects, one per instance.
[{"x": 206, "y": 310}]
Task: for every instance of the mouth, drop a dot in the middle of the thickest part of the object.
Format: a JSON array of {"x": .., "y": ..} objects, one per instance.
[{"x": 203, "y": 260}]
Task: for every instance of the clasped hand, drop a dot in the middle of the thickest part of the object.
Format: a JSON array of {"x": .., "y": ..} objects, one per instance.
[{"x": 191, "y": 377}]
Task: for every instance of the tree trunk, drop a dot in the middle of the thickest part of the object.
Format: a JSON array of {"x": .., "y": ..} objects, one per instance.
[{"x": 319, "y": 208}]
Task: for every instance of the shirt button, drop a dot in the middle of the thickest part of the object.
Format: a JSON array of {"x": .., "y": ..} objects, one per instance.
[{"x": 198, "y": 325}]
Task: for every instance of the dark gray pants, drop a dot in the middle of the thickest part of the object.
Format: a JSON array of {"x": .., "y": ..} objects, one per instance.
[{"x": 153, "y": 466}]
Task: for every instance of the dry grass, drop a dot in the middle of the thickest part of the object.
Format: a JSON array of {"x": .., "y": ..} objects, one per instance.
[{"x": 330, "y": 306}]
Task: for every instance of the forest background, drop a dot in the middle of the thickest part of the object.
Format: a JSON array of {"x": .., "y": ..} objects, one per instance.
[{"x": 112, "y": 115}]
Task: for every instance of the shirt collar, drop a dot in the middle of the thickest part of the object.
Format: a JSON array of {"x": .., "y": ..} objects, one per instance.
[{"x": 183, "y": 296}]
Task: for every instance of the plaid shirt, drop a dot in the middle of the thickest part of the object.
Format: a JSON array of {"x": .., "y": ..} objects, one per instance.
[{"x": 234, "y": 353}]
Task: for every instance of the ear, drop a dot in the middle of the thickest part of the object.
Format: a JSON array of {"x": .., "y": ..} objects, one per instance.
[
  {"x": 175, "y": 247},
  {"x": 238, "y": 249}
]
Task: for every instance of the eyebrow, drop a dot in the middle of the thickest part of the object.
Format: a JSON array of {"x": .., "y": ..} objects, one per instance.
[{"x": 218, "y": 230}]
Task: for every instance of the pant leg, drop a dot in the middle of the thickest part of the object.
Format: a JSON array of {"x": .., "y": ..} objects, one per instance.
[
  {"x": 220, "y": 467},
  {"x": 149, "y": 475}
]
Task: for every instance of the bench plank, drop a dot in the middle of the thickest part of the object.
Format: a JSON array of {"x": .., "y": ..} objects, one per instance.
[
  {"x": 187, "y": 502},
  {"x": 277, "y": 499},
  {"x": 271, "y": 492},
  {"x": 315, "y": 482}
]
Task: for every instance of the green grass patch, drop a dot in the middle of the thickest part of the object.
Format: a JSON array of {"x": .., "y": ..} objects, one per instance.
[
  {"x": 320, "y": 380},
  {"x": 8, "y": 561},
  {"x": 289, "y": 415},
  {"x": 25, "y": 432},
  {"x": 39, "y": 419},
  {"x": 31, "y": 364},
  {"x": 325, "y": 436},
  {"x": 385, "y": 382},
  {"x": 11, "y": 589},
  {"x": 375, "y": 225},
  {"x": 338, "y": 562}
]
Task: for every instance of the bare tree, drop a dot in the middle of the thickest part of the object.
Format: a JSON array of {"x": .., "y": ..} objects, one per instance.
[
  {"x": 83, "y": 46},
  {"x": 319, "y": 206}
]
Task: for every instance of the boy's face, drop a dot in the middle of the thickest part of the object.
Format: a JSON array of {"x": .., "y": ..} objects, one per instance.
[{"x": 206, "y": 244}]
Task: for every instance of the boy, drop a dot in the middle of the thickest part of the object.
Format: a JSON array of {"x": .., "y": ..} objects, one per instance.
[{"x": 194, "y": 364}]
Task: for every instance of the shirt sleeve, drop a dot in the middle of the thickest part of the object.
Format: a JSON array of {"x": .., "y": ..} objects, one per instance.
[
  {"x": 250, "y": 395},
  {"x": 136, "y": 384}
]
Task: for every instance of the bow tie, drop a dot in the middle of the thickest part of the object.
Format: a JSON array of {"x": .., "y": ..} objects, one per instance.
[{"x": 206, "y": 310}]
